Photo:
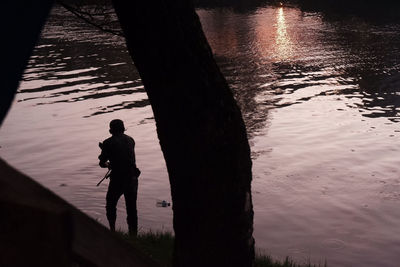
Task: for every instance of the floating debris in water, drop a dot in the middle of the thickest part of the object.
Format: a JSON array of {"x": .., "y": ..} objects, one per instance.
[{"x": 162, "y": 203}]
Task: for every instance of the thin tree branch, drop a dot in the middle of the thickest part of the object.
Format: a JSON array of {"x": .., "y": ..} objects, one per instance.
[{"x": 82, "y": 15}]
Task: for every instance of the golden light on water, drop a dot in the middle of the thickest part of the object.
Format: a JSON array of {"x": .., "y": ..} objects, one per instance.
[
  {"x": 283, "y": 43},
  {"x": 274, "y": 35}
]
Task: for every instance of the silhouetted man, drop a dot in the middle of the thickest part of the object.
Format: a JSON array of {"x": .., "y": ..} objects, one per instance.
[{"x": 118, "y": 154}]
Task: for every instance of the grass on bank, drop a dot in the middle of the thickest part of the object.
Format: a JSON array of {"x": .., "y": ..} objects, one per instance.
[{"x": 159, "y": 246}]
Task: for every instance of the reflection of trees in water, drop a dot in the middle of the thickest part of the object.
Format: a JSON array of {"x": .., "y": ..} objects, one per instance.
[
  {"x": 240, "y": 6},
  {"x": 229, "y": 35},
  {"x": 371, "y": 9},
  {"x": 83, "y": 71},
  {"x": 367, "y": 32},
  {"x": 374, "y": 63},
  {"x": 243, "y": 82},
  {"x": 78, "y": 66},
  {"x": 363, "y": 55},
  {"x": 99, "y": 14},
  {"x": 381, "y": 96}
]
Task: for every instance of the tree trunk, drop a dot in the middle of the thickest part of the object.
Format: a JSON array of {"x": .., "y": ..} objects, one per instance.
[
  {"x": 201, "y": 132},
  {"x": 22, "y": 22}
]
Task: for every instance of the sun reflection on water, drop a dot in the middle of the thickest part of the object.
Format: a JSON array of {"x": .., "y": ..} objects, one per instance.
[
  {"x": 278, "y": 42},
  {"x": 283, "y": 44}
]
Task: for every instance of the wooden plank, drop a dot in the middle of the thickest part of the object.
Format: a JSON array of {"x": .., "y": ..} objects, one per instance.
[{"x": 38, "y": 228}]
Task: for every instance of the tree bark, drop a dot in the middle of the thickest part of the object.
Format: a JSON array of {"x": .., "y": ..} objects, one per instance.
[{"x": 200, "y": 129}]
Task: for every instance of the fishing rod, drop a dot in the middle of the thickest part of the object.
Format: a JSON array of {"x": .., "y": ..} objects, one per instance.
[{"x": 105, "y": 177}]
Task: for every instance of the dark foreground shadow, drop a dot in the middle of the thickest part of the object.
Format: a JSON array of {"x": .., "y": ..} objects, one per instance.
[{"x": 41, "y": 229}]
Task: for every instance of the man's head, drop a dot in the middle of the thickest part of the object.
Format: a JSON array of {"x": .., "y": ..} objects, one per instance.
[{"x": 117, "y": 126}]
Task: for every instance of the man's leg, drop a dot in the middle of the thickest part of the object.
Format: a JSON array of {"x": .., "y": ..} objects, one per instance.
[
  {"x": 113, "y": 194},
  {"x": 130, "y": 194}
]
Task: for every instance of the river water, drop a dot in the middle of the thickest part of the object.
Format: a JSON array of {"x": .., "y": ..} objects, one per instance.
[{"x": 320, "y": 97}]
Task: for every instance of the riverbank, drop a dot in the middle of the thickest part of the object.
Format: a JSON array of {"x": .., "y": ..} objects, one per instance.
[{"x": 159, "y": 247}]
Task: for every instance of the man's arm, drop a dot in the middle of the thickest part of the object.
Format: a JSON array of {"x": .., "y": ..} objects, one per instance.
[
  {"x": 103, "y": 157},
  {"x": 133, "y": 150}
]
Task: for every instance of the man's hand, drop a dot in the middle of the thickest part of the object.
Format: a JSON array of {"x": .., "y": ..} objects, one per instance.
[{"x": 107, "y": 164}]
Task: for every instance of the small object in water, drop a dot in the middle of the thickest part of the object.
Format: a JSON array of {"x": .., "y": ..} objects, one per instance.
[
  {"x": 162, "y": 203},
  {"x": 63, "y": 184}
]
